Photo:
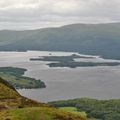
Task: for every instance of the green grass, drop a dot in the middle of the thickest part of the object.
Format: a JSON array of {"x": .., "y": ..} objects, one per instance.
[
  {"x": 13, "y": 106},
  {"x": 10, "y": 98},
  {"x": 99, "y": 109},
  {"x": 73, "y": 110},
  {"x": 39, "y": 113}
]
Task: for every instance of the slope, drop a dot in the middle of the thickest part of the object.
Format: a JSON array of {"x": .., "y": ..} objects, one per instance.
[{"x": 13, "y": 106}]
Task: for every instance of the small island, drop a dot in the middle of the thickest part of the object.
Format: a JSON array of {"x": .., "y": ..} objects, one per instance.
[
  {"x": 69, "y": 61},
  {"x": 82, "y": 64},
  {"x": 60, "y": 58},
  {"x": 15, "y": 77}
]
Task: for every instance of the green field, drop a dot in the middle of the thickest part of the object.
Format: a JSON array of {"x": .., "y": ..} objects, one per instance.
[
  {"x": 73, "y": 110},
  {"x": 99, "y": 109},
  {"x": 39, "y": 113}
]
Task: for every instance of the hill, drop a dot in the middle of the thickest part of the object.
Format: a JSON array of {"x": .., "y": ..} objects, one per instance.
[
  {"x": 99, "y": 109},
  {"x": 10, "y": 98},
  {"x": 13, "y": 106},
  {"x": 95, "y": 39}
]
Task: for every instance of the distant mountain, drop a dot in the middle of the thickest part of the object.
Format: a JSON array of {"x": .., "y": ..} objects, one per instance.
[{"x": 95, "y": 39}]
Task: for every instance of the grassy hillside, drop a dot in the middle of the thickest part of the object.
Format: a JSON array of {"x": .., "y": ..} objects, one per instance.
[
  {"x": 96, "y": 39},
  {"x": 40, "y": 113},
  {"x": 10, "y": 98},
  {"x": 100, "y": 109},
  {"x": 13, "y": 106}
]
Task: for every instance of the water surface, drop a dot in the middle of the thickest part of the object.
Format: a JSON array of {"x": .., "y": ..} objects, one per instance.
[{"x": 65, "y": 83}]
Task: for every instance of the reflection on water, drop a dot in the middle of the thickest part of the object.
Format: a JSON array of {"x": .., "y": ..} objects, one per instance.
[{"x": 65, "y": 83}]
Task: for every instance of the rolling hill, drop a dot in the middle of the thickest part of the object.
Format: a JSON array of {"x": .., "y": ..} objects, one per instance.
[
  {"x": 13, "y": 106},
  {"x": 99, "y": 109},
  {"x": 95, "y": 39}
]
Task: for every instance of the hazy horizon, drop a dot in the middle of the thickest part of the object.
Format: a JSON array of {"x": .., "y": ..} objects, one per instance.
[
  {"x": 34, "y": 14},
  {"x": 37, "y": 28}
]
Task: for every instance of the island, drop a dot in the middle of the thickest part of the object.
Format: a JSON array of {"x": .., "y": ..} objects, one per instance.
[
  {"x": 15, "y": 77},
  {"x": 61, "y": 58},
  {"x": 82, "y": 64},
  {"x": 70, "y": 61}
]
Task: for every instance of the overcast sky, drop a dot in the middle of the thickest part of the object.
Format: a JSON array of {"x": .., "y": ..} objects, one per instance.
[{"x": 31, "y": 14}]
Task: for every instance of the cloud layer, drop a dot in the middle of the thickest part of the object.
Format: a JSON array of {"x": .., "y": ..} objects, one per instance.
[{"x": 30, "y": 14}]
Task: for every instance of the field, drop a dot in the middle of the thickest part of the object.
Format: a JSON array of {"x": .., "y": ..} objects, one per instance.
[
  {"x": 73, "y": 110},
  {"x": 99, "y": 109},
  {"x": 39, "y": 113}
]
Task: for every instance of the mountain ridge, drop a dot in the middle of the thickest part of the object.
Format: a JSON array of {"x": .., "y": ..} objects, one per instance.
[
  {"x": 86, "y": 24},
  {"x": 94, "y": 39}
]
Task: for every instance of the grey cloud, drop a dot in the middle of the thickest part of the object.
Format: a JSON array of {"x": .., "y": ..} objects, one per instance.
[{"x": 24, "y": 13}]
